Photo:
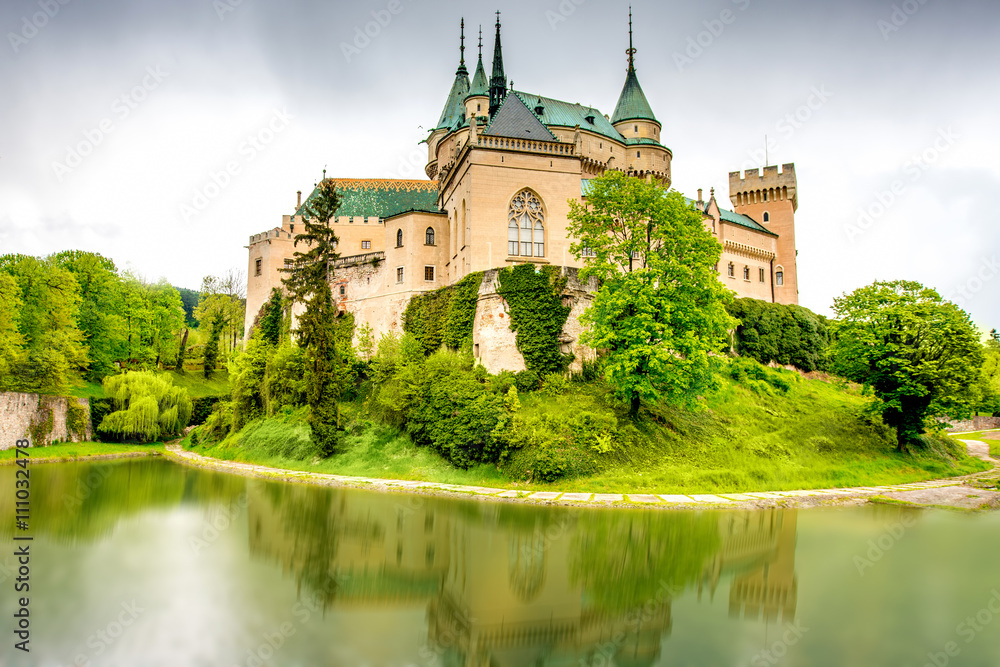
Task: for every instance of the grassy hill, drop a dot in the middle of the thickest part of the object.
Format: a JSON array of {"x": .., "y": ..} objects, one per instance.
[{"x": 769, "y": 430}]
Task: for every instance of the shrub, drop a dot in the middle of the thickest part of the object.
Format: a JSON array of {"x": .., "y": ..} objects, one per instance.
[
  {"x": 147, "y": 407},
  {"x": 785, "y": 334},
  {"x": 526, "y": 381}
]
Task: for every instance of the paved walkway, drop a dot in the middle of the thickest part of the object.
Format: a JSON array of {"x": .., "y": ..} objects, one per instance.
[{"x": 938, "y": 489}]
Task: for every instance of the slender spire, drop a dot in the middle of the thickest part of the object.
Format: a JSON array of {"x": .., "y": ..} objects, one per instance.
[
  {"x": 454, "y": 107},
  {"x": 631, "y": 49},
  {"x": 461, "y": 49},
  {"x": 480, "y": 84},
  {"x": 498, "y": 82}
]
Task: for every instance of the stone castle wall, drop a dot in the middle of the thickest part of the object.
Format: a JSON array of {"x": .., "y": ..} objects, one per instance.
[{"x": 20, "y": 414}]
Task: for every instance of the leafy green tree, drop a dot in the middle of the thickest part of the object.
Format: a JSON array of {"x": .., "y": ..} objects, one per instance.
[
  {"x": 147, "y": 406},
  {"x": 247, "y": 376},
  {"x": 99, "y": 319},
  {"x": 308, "y": 282},
  {"x": 919, "y": 354},
  {"x": 54, "y": 354},
  {"x": 661, "y": 309},
  {"x": 271, "y": 317},
  {"x": 212, "y": 348},
  {"x": 11, "y": 340},
  {"x": 223, "y": 298}
]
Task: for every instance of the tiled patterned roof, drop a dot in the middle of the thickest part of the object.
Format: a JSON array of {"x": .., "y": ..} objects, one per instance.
[{"x": 382, "y": 197}]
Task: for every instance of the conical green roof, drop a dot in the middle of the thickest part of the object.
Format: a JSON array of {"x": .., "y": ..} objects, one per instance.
[
  {"x": 632, "y": 104},
  {"x": 454, "y": 107},
  {"x": 480, "y": 84}
]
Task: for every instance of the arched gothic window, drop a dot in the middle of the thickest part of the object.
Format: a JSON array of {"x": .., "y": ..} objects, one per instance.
[
  {"x": 526, "y": 225},
  {"x": 429, "y": 236},
  {"x": 399, "y": 238},
  {"x": 767, "y": 217}
]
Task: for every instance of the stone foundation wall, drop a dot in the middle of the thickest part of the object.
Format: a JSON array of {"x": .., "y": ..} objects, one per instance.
[
  {"x": 974, "y": 424},
  {"x": 24, "y": 414}
]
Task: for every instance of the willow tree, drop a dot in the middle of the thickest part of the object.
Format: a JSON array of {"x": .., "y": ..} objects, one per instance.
[
  {"x": 661, "y": 309},
  {"x": 308, "y": 283},
  {"x": 147, "y": 407}
]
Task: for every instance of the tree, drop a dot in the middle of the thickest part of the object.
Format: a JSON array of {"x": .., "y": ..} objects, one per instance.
[
  {"x": 212, "y": 348},
  {"x": 308, "y": 282},
  {"x": 661, "y": 309},
  {"x": 224, "y": 299},
  {"x": 147, "y": 406},
  {"x": 11, "y": 339},
  {"x": 919, "y": 354},
  {"x": 271, "y": 316},
  {"x": 54, "y": 354}
]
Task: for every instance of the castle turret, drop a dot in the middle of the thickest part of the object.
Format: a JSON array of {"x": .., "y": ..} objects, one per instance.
[
  {"x": 771, "y": 199},
  {"x": 498, "y": 82},
  {"x": 453, "y": 114},
  {"x": 477, "y": 102},
  {"x": 634, "y": 120}
]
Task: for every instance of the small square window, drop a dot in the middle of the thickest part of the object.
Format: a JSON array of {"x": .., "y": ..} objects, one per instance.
[
  {"x": 365, "y": 220},
  {"x": 365, "y": 245},
  {"x": 399, "y": 274},
  {"x": 429, "y": 273},
  {"x": 350, "y": 220},
  {"x": 257, "y": 264}
]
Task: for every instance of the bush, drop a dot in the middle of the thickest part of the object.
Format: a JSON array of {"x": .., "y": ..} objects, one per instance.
[
  {"x": 218, "y": 424},
  {"x": 758, "y": 378},
  {"x": 784, "y": 334},
  {"x": 526, "y": 381},
  {"x": 201, "y": 408}
]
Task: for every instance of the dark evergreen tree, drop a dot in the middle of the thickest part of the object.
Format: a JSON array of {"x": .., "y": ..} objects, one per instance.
[
  {"x": 308, "y": 282},
  {"x": 271, "y": 316},
  {"x": 212, "y": 348}
]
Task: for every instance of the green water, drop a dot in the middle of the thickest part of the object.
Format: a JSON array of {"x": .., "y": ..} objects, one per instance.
[{"x": 144, "y": 562}]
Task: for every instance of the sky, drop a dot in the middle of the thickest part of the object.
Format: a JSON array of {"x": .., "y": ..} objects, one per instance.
[{"x": 164, "y": 134}]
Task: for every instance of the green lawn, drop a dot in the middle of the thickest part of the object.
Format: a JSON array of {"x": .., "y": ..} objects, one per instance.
[
  {"x": 78, "y": 450},
  {"x": 193, "y": 381},
  {"x": 750, "y": 438}
]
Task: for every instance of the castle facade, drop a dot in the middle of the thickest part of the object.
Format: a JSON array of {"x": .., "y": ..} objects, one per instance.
[{"x": 501, "y": 166}]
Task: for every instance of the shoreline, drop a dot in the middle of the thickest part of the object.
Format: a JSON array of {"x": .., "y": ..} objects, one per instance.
[{"x": 752, "y": 500}]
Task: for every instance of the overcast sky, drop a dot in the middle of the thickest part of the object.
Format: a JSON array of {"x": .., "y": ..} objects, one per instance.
[{"x": 118, "y": 120}]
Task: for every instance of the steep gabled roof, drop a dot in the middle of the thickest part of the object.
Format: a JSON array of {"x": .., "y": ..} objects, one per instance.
[
  {"x": 454, "y": 108},
  {"x": 514, "y": 119},
  {"x": 381, "y": 197}
]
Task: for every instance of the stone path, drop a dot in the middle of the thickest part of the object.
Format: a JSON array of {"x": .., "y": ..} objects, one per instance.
[{"x": 950, "y": 492}]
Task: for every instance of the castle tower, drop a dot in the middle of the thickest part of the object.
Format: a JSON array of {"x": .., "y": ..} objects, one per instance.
[
  {"x": 477, "y": 102},
  {"x": 453, "y": 114},
  {"x": 771, "y": 199},
  {"x": 498, "y": 82},
  {"x": 634, "y": 120}
]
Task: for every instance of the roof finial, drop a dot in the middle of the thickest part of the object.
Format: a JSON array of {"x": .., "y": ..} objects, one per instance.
[
  {"x": 631, "y": 49},
  {"x": 480, "y": 42},
  {"x": 462, "y": 47}
]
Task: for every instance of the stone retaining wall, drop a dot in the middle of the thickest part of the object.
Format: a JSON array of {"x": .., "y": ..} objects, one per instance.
[
  {"x": 974, "y": 424},
  {"x": 30, "y": 415}
]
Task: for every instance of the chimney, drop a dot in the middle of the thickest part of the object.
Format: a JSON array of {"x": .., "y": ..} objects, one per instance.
[
  {"x": 700, "y": 202},
  {"x": 298, "y": 202}
]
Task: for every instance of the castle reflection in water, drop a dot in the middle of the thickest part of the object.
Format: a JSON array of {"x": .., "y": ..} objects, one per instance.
[{"x": 516, "y": 585}]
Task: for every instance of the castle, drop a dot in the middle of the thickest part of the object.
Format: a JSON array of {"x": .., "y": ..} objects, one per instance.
[{"x": 502, "y": 165}]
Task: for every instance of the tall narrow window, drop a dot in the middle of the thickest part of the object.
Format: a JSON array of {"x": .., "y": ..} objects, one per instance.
[
  {"x": 767, "y": 216},
  {"x": 761, "y": 275},
  {"x": 779, "y": 278},
  {"x": 732, "y": 270},
  {"x": 746, "y": 273},
  {"x": 429, "y": 236},
  {"x": 399, "y": 274},
  {"x": 526, "y": 225},
  {"x": 399, "y": 238},
  {"x": 256, "y": 266}
]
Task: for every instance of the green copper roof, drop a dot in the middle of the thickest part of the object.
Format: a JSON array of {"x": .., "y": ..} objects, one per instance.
[
  {"x": 454, "y": 108},
  {"x": 642, "y": 141},
  {"x": 480, "y": 84},
  {"x": 632, "y": 104},
  {"x": 564, "y": 114},
  {"x": 381, "y": 197}
]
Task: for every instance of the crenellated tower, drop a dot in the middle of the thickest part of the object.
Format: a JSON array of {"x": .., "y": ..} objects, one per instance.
[{"x": 771, "y": 198}]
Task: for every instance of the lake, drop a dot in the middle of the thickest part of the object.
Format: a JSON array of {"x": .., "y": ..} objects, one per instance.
[{"x": 146, "y": 562}]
